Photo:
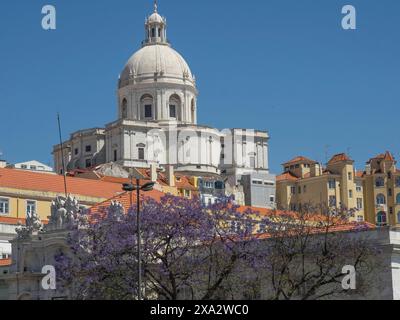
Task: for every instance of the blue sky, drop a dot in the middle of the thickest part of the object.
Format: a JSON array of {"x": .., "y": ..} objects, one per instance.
[{"x": 285, "y": 66}]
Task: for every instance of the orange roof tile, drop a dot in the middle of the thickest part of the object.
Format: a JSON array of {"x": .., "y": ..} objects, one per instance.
[
  {"x": 359, "y": 174},
  {"x": 287, "y": 176},
  {"x": 339, "y": 158},
  {"x": 125, "y": 200},
  {"x": 161, "y": 179},
  {"x": 387, "y": 156},
  {"x": 5, "y": 262},
  {"x": 344, "y": 227},
  {"x": 183, "y": 182},
  {"x": 299, "y": 159},
  {"x": 26, "y": 180}
]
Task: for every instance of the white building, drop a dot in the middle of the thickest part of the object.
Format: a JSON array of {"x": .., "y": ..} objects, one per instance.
[
  {"x": 157, "y": 123},
  {"x": 33, "y": 165}
]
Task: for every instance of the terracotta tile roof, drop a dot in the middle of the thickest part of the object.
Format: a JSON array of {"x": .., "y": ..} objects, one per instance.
[
  {"x": 183, "y": 182},
  {"x": 161, "y": 178},
  {"x": 299, "y": 159},
  {"x": 125, "y": 200},
  {"x": 338, "y": 227},
  {"x": 5, "y": 262},
  {"x": 344, "y": 227},
  {"x": 26, "y": 180},
  {"x": 287, "y": 176},
  {"x": 387, "y": 156},
  {"x": 339, "y": 158},
  {"x": 360, "y": 174}
]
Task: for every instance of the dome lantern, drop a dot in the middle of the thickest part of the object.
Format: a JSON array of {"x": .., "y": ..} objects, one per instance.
[
  {"x": 155, "y": 28},
  {"x": 156, "y": 83}
]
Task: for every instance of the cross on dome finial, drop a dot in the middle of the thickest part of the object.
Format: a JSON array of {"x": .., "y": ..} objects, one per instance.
[{"x": 155, "y": 6}]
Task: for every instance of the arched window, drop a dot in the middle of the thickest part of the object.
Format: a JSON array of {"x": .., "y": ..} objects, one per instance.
[
  {"x": 381, "y": 219},
  {"x": 398, "y": 217},
  {"x": 124, "y": 109},
  {"x": 398, "y": 198},
  {"x": 147, "y": 107},
  {"x": 380, "y": 199},
  {"x": 172, "y": 111},
  {"x": 175, "y": 106}
]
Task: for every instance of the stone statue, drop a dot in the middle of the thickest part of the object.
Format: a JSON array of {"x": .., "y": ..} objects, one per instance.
[
  {"x": 33, "y": 226},
  {"x": 116, "y": 209},
  {"x": 23, "y": 232},
  {"x": 64, "y": 213},
  {"x": 33, "y": 222}
]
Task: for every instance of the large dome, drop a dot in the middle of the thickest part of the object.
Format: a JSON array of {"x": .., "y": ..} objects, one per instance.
[{"x": 156, "y": 59}]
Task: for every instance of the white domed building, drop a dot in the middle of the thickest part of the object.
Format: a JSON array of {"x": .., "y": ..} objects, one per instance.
[
  {"x": 156, "y": 83},
  {"x": 157, "y": 125}
]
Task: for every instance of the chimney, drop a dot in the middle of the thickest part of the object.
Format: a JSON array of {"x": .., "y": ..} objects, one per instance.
[
  {"x": 315, "y": 170},
  {"x": 169, "y": 172},
  {"x": 153, "y": 173},
  {"x": 368, "y": 169}
]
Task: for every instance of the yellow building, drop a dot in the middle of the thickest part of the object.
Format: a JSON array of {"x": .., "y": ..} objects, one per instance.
[
  {"x": 382, "y": 190},
  {"x": 305, "y": 182},
  {"x": 24, "y": 192}
]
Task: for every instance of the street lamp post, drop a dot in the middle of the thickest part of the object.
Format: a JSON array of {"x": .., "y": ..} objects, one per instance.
[{"x": 130, "y": 187}]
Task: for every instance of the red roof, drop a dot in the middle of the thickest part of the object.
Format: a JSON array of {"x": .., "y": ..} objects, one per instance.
[
  {"x": 183, "y": 182},
  {"x": 27, "y": 180},
  {"x": 340, "y": 227},
  {"x": 387, "y": 156},
  {"x": 359, "y": 174},
  {"x": 287, "y": 176},
  {"x": 5, "y": 262},
  {"x": 125, "y": 200},
  {"x": 299, "y": 159},
  {"x": 339, "y": 158}
]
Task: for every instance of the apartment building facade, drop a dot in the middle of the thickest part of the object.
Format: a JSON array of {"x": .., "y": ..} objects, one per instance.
[
  {"x": 382, "y": 190},
  {"x": 306, "y": 182}
]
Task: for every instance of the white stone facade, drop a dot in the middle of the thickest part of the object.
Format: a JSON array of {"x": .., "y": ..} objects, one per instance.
[
  {"x": 157, "y": 122},
  {"x": 33, "y": 165}
]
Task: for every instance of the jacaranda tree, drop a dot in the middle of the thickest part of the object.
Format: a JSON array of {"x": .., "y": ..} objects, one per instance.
[
  {"x": 191, "y": 251},
  {"x": 188, "y": 250}
]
